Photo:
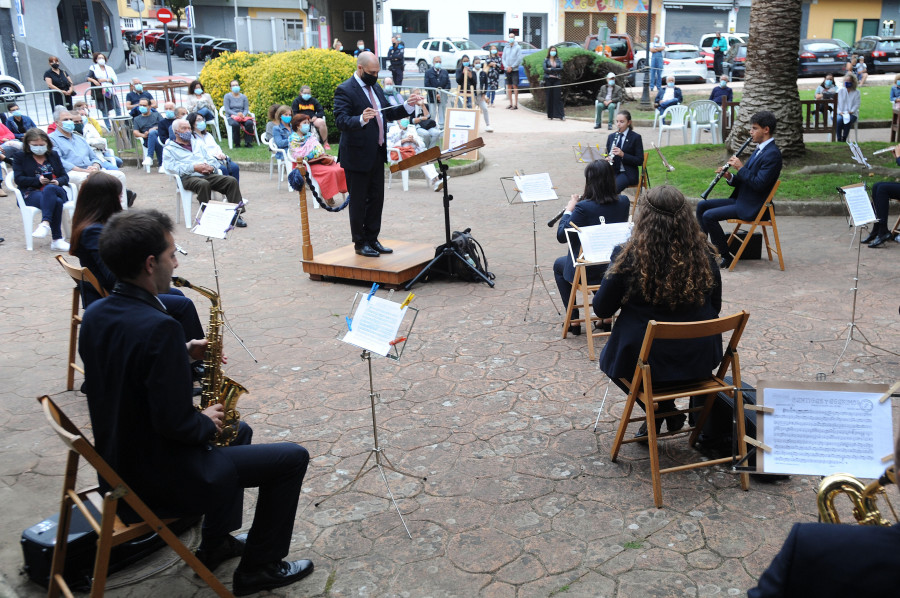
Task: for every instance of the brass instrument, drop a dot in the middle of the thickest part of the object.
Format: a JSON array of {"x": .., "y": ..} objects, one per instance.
[
  {"x": 725, "y": 168},
  {"x": 217, "y": 387},
  {"x": 864, "y": 498},
  {"x": 887, "y": 149}
]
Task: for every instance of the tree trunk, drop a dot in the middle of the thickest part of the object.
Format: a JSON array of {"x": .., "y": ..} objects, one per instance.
[{"x": 771, "y": 80}]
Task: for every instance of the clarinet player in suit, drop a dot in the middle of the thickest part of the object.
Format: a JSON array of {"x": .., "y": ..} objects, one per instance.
[
  {"x": 627, "y": 150},
  {"x": 752, "y": 182},
  {"x": 358, "y": 104}
]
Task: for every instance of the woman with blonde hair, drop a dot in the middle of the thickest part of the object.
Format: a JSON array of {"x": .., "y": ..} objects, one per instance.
[
  {"x": 667, "y": 272},
  {"x": 848, "y": 100}
]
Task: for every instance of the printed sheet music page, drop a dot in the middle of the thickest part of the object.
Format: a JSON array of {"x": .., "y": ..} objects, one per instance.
[{"x": 375, "y": 324}]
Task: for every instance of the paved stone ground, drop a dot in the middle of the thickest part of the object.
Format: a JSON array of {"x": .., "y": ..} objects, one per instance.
[{"x": 521, "y": 497}]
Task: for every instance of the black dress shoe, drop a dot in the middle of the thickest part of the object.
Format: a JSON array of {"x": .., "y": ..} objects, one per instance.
[
  {"x": 726, "y": 261},
  {"x": 230, "y": 548},
  {"x": 269, "y": 576},
  {"x": 575, "y": 329},
  {"x": 642, "y": 431},
  {"x": 367, "y": 251},
  {"x": 377, "y": 246},
  {"x": 240, "y": 223},
  {"x": 880, "y": 240},
  {"x": 872, "y": 236},
  {"x": 597, "y": 126},
  {"x": 675, "y": 422}
]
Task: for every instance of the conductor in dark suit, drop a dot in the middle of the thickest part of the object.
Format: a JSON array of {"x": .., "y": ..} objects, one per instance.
[
  {"x": 627, "y": 149},
  {"x": 599, "y": 200},
  {"x": 752, "y": 182},
  {"x": 358, "y": 103},
  {"x": 138, "y": 386},
  {"x": 828, "y": 560}
]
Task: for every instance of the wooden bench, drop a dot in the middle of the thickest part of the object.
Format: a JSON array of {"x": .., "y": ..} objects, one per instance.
[{"x": 814, "y": 114}]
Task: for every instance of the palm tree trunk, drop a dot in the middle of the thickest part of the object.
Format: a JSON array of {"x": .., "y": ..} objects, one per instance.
[{"x": 771, "y": 80}]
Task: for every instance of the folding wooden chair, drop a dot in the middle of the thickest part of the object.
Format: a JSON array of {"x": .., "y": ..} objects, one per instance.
[
  {"x": 111, "y": 531},
  {"x": 896, "y": 228},
  {"x": 580, "y": 285},
  {"x": 643, "y": 183},
  {"x": 641, "y": 387},
  {"x": 80, "y": 276},
  {"x": 765, "y": 218}
]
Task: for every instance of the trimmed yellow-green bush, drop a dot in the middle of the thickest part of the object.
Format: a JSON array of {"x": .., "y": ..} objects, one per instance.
[
  {"x": 278, "y": 79},
  {"x": 218, "y": 73}
]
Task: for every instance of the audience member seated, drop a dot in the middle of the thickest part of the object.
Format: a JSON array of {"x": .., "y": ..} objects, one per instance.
[
  {"x": 306, "y": 104},
  {"x": 305, "y": 146},
  {"x": 393, "y": 96},
  {"x": 146, "y": 127},
  {"x": 426, "y": 126},
  {"x": 722, "y": 91},
  {"x": 665, "y": 272},
  {"x": 97, "y": 143},
  {"x": 98, "y": 199},
  {"x": 189, "y": 159},
  {"x": 168, "y": 117},
  {"x": 202, "y": 135},
  {"x": 609, "y": 98},
  {"x": 271, "y": 122},
  {"x": 180, "y": 112},
  {"x": 41, "y": 178},
  {"x": 82, "y": 108},
  {"x": 403, "y": 138},
  {"x": 281, "y": 132},
  {"x": 18, "y": 122},
  {"x": 668, "y": 96},
  {"x": 8, "y": 142},
  {"x": 78, "y": 157},
  {"x": 134, "y": 97},
  {"x": 895, "y": 93},
  {"x": 237, "y": 112},
  {"x": 827, "y": 91},
  {"x": 198, "y": 101},
  {"x": 599, "y": 199},
  {"x": 848, "y": 101}
]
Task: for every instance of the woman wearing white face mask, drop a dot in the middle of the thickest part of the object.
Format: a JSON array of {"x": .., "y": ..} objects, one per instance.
[
  {"x": 41, "y": 178},
  {"x": 201, "y": 133},
  {"x": 103, "y": 76}
]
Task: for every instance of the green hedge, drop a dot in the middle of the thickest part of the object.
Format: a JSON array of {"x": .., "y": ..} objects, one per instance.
[{"x": 587, "y": 70}]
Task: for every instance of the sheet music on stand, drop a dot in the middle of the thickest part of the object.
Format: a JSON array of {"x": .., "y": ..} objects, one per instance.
[
  {"x": 214, "y": 219},
  {"x": 598, "y": 241},
  {"x": 374, "y": 325},
  {"x": 821, "y": 428},
  {"x": 588, "y": 153},
  {"x": 857, "y": 199},
  {"x": 858, "y": 154},
  {"x": 535, "y": 187}
]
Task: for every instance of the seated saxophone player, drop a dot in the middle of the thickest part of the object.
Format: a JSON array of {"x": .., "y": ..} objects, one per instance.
[
  {"x": 832, "y": 560},
  {"x": 599, "y": 199},
  {"x": 138, "y": 386}
]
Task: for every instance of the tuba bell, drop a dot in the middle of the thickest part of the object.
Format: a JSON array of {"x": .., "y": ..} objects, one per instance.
[{"x": 863, "y": 497}]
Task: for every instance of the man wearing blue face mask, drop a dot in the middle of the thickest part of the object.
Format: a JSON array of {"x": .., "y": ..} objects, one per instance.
[
  {"x": 668, "y": 95},
  {"x": 18, "y": 122},
  {"x": 306, "y": 104},
  {"x": 436, "y": 78},
  {"x": 168, "y": 117},
  {"x": 396, "y": 60},
  {"x": 134, "y": 98},
  {"x": 146, "y": 128},
  {"x": 721, "y": 91}
]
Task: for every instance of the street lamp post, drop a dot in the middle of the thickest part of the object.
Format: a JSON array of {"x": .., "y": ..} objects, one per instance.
[{"x": 645, "y": 94}]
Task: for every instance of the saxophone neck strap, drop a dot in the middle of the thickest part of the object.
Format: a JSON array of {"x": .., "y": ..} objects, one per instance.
[{"x": 126, "y": 289}]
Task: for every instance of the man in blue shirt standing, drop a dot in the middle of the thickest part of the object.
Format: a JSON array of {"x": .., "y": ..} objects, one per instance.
[
  {"x": 656, "y": 63},
  {"x": 396, "y": 60},
  {"x": 719, "y": 47}
]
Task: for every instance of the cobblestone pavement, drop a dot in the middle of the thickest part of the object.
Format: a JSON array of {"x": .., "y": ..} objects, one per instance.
[{"x": 521, "y": 497}]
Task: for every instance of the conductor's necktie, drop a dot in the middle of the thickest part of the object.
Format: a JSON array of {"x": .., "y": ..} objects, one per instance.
[{"x": 377, "y": 115}]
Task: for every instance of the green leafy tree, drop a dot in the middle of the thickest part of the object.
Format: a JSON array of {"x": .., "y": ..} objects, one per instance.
[{"x": 177, "y": 7}]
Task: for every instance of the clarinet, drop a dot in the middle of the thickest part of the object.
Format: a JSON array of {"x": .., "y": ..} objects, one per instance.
[
  {"x": 725, "y": 168},
  {"x": 562, "y": 212}
]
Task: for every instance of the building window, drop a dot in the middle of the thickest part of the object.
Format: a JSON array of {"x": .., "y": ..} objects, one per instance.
[
  {"x": 486, "y": 23},
  {"x": 354, "y": 20},
  {"x": 411, "y": 21},
  {"x": 84, "y": 27}
]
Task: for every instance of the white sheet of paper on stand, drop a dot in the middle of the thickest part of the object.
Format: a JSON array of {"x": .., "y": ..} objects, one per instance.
[
  {"x": 535, "y": 187},
  {"x": 458, "y": 137},
  {"x": 215, "y": 220},
  {"x": 598, "y": 242},
  {"x": 375, "y": 324},
  {"x": 462, "y": 119},
  {"x": 860, "y": 207}
]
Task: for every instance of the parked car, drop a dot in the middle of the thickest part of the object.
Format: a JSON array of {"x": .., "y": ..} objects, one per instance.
[
  {"x": 9, "y": 86},
  {"x": 706, "y": 41},
  {"x": 568, "y": 45},
  {"x": 820, "y": 58},
  {"x": 838, "y": 42},
  {"x": 146, "y": 33},
  {"x": 170, "y": 40},
  {"x": 735, "y": 62},
  {"x": 621, "y": 48},
  {"x": 683, "y": 61},
  {"x": 882, "y": 54},
  {"x": 450, "y": 49},
  {"x": 502, "y": 43},
  {"x": 150, "y": 40},
  {"x": 205, "y": 49},
  {"x": 183, "y": 48},
  {"x": 222, "y": 47}
]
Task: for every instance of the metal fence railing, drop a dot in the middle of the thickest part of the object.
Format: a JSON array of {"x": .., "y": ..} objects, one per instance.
[{"x": 38, "y": 105}]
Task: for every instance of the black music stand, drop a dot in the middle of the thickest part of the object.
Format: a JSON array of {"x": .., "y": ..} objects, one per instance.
[{"x": 447, "y": 259}]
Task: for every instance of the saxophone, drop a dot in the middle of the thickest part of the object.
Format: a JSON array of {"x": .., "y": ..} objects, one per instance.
[
  {"x": 863, "y": 497},
  {"x": 217, "y": 387}
]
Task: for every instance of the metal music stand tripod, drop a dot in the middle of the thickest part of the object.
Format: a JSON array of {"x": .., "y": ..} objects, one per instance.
[
  {"x": 447, "y": 257},
  {"x": 381, "y": 459}
]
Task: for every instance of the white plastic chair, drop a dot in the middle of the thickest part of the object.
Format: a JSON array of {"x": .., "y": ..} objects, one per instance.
[
  {"x": 224, "y": 118},
  {"x": 28, "y": 213},
  {"x": 183, "y": 197},
  {"x": 213, "y": 125},
  {"x": 678, "y": 115},
  {"x": 705, "y": 114},
  {"x": 393, "y": 158},
  {"x": 278, "y": 157},
  {"x": 144, "y": 153}
]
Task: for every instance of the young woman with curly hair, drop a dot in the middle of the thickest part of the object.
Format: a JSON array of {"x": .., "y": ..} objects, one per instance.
[{"x": 666, "y": 271}]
